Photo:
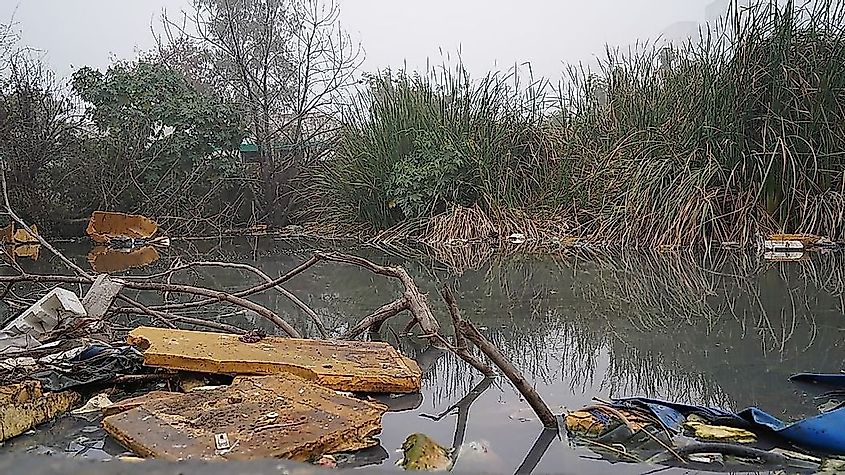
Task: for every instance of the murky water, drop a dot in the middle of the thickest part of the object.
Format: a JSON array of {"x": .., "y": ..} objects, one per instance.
[{"x": 726, "y": 331}]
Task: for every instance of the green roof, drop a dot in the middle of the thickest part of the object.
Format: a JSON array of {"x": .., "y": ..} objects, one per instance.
[{"x": 249, "y": 147}]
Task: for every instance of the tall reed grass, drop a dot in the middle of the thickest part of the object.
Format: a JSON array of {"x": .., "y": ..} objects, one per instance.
[{"x": 737, "y": 133}]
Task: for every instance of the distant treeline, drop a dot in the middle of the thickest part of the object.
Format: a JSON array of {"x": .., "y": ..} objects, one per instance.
[{"x": 734, "y": 134}]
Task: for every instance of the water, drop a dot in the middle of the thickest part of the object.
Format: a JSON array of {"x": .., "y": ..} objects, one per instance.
[{"x": 726, "y": 331}]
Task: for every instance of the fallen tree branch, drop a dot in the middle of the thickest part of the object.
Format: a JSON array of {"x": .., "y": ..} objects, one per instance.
[
  {"x": 461, "y": 349},
  {"x": 247, "y": 292},
  {"x": 378, "y": 317},
  {"x": 528, "y": 392},
  {"x": 168, "y": 318},
  {"x": 218, "y": 296},
  {"x": 268, "y": 280},
  {"x": 163, "y": 317},
  {"x": 8, "y": 205}
]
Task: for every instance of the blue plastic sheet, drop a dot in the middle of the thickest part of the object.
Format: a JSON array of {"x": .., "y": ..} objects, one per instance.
[
  {"x": 824, "y": 433},
  {"x": 836, "y": 380}
]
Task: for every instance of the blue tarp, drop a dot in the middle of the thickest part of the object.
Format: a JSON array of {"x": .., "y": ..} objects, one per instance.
[{"x": 822, "y": 433}]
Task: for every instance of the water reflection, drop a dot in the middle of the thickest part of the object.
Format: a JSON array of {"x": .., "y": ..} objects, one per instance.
[{"x": 725, "y": 330}]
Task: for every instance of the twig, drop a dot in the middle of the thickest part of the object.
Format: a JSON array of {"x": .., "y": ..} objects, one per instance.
[
  {"x": 40, "y": 239},
  {"x": 186, "y": 289},
  {"x": 218, "y": 296},
  {"x": 267, "y": 279},
  {"x": 141, "y": 378},
  {"x": 163, "y": 317},
  {"x": 247, "y": 292},
  {"x": 167, "y": 319}
]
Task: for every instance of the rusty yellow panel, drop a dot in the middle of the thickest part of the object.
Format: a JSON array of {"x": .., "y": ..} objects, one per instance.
[
  {"x": 369, "y": 367},
  {"x": 105, "y": 260},
  {"x": 11, "y": 234},
  {"x": 279, "y": 416},
  {"x": 23, "y": 406},
  {"x": 105, "y": 226}
]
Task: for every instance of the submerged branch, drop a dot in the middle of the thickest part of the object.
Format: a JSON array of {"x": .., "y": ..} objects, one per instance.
[
  {"x": 417, "y": 302},
  {"x": 378, "y": 317},
  {"x": 461, "y": 349},
  {"x": 528, "y": 392}
]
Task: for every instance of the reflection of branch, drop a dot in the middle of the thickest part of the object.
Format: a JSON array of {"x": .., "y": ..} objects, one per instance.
[
  {"x": 461, "y": 348},
  {"x": 465, "y": 330},
  {"x": 540, "y": 447},
  {"x": 463, "y": 407}
]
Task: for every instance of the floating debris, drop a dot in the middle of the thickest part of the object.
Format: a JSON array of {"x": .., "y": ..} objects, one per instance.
[
  {"x": 40, "y": 319},
  {"x": 308, "y": 421},
  {"x": 783, "y": 246},
  {"x": 95, "y": 404},
  {"x": 369, "y": 367},
  {"x": 23, "y": 406},
  {"x": 105, "y": 227},
  {"x": 704, "y": 431},
  {"x": 12, "y": 234},
  {"x": 421, "y": 453}
]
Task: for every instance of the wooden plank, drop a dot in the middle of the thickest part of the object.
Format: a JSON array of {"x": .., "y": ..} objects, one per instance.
[
  {"x": 24, "y": 406},
  {"x": 278, "y": 416},
  {"x": 369, "y": 367},
  {"x": 100, "y": 296}
]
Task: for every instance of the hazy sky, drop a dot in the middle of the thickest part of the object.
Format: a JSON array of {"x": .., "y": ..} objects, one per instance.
[{"x": 489, "y": 33}]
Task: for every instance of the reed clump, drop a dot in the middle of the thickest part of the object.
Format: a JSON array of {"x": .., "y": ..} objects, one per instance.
[{"x": 732, "y": 135}]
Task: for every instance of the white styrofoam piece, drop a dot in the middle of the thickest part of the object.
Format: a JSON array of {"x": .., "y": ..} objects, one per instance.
[{"x": 45, "y": 314}]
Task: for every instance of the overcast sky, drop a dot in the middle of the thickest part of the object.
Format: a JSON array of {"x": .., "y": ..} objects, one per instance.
[{"x": 489, "y": 33}]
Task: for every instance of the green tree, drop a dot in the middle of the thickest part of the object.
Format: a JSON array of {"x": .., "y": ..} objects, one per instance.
[{"x": 163, "y": 148}]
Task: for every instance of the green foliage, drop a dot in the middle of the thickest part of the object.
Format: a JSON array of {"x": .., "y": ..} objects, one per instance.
[
  {"x": 150, "y": 111},
  {"x": 737, "y": 133},
  {"x": 438, "y": 171},
  {"x": 414, "y": 145}
]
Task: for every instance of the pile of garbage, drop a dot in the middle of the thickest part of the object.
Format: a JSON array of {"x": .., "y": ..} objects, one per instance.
[
  {"x": 236, "y": 397},
  {"x": 653, "y": 431},
  {"x": 289, "y": 398}
]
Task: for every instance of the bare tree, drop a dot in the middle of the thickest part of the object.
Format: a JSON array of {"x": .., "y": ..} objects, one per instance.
[
  {"x": 37, "y": 134},
  {"x": 286, "y": 62},
  {"x": 8, "y": 41}
]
